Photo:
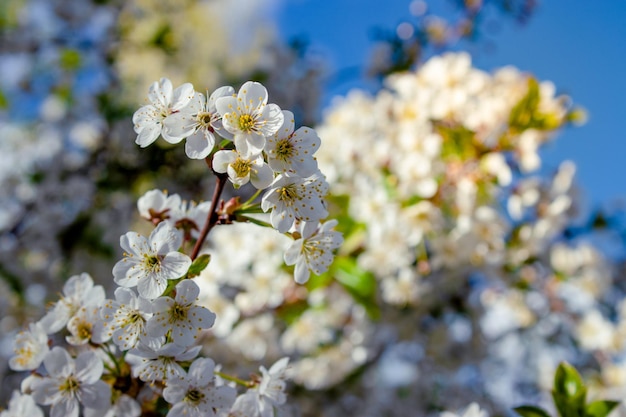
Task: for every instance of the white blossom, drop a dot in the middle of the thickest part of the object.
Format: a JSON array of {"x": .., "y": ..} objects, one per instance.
[
  {"x": 125, "y": 317},
  {"x": 196, "y": 393},
  {"x": 180, "y": 315},
  {"x": 270, "y": 393},
  {"x": 198, "y": 122},
  {"x": 79, "y": 291},
  {"x": 149, "y": 263},
  {"x": 292, "y": 152},
  {"x": 72, "y": 382},
  {"x": 159, "y": 362},
  {"x": 249, "y": 117},
  {"x": 30, "y": 346},
  {"x": 148, "y": 120},
  {"x": 294, "y": 198},
  {"x": 242, "y": 169},
  {"x": 313, "y": 249},
  {"x": 21, "y": 405}
]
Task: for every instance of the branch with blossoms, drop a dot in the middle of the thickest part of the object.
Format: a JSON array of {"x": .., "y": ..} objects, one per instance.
[{"x": 138, "y": 353}]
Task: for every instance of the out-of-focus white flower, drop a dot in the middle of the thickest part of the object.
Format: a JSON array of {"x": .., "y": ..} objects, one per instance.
[
  {"x": 21, "y": 405},
  {"x": 149, "y": 263},
  {"x": 31, "y": 347},
  {"x": 473, "y": 410},
  {"x": 292, "y": 152},
  {"x": 261, "y": 400},
  {"x": 195, "y": 394},
  {"x": 180, "y": 315},
  {"x": 148, "y": 120},
  {"x": 198, "y": 121},
  {"x": 157, "y": 205},
  {"x": 594, "y": 332},
  {"x": 78, "y": 292},
  {"x": 242, "y": 169},
  {"x": 249, "y": 118},
  {"x": 313, "y": 249},
  {"x": 72, "y": 382},
  {"x": 295, "y": 198},
  {"x": 85, "y": 326},
  {"x": 254, "y": 337}
]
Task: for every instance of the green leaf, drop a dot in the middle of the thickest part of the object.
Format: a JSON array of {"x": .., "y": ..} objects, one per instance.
[
  {"x": 567, "y": 380},
  {"x": 198, "y": 265},
  {"x": 458, "y": 141},
  {"x": 70, "y": 59},
  {"x": 361, "y": 284},
  {"x": 569, "y": 391},
  {"x": 522, "y": 114},
  {"x": 531, "y": 411},
  {"x": 600, "y": 408}
]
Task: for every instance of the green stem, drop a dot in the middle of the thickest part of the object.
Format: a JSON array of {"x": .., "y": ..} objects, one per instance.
[
  {"x": 236, "y": 380},
  {"x": 257, "y": 221},
  {"x": 107, "y": 350},
  {"x": 251, "y": 199}
]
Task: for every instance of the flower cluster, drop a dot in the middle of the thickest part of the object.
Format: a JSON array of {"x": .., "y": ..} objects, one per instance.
[{"x": 122, "y": 355}]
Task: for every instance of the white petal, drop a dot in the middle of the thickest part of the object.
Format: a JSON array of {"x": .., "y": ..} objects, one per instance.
[
  {"x": 200, "y": 144},
  {"x": 201, "y": 371},
  {"x": 222, "y": 159},
  {"x": 165, "y": 239},
  {"x": 97, "y": 395},
  {"x": 58, "y": 362},
  {"x": 187, "y": 292},
  {"x": 175, "y": 265},
  {"x": 262, "y": 176},
  {"x": 253, "y": 94},
  {"x": 151, "y": 288},
  {"x": 89, "y": 367}
]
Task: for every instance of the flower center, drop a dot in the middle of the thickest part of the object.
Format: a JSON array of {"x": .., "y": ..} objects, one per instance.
[
  {"x": 205, "y": 118},
  {"x": 152, "y": 262},
  {"x": 284, "y": 149},
  {"x": 288, "y": 194},
  {"x": 246, "y": 123},
  {"x": 84, "y": 330},
  {"x": 194, "y": 396},
  {"x": 70, "y": 385},
  {"x": 242, "y": 167},
  {"x": 178, "y": 313}
]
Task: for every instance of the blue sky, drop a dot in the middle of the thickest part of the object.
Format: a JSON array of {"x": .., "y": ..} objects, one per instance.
[{"x": 579, "y": 45}]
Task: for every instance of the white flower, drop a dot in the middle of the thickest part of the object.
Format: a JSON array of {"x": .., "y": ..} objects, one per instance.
[
  {"x": 22, "y": 405},
  {"x": 157, "y": 362},
  {"x": 242, "y": 169},
  {"x": 313, "y": 249},
  {"x": 30, "y": 347},
  {"x": 86, "y": 325},
  {"x": 148, "y": 264},
  {"x": 249, "y": 118},
  {"x": 125, "y": 317},
  {"x": 261, "y": 400},
  {"x": 195, "y": 394},
  {"x": 198, "y": 122},
  {"x": 78, "y": 292},
  {"x": 157, "y": 205},
  {"x": 295, "y": 198},
  {"x": 148, "y": 120},
  {"x": 473, "y": 410},
  {"x": 181, "y": 315},
  {"x": 292, "y": 152},
  {"x": 72, "y": 382}
]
